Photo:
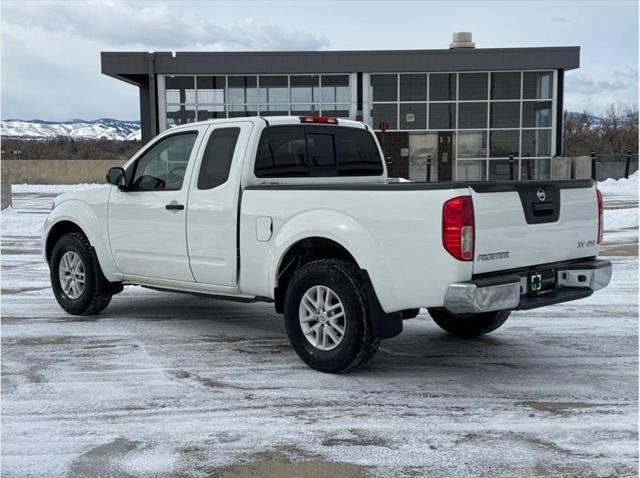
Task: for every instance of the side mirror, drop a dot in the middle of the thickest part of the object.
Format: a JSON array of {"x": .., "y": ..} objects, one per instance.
[{"x": 117, "y": 177}]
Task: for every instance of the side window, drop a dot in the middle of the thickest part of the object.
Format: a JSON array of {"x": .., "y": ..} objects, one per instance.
[
  {"x": 216, "y": 161},
  {"x": 164, "y": 165},
  {"x": 282, "y": 153}
]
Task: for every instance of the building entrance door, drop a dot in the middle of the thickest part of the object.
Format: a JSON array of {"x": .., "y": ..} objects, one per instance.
[{"x": 435, "y": 147}]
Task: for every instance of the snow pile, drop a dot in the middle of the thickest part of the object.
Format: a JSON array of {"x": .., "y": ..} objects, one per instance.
[
  {"x": 17, "y": 223},
  {"x": 620, "y": 187}
]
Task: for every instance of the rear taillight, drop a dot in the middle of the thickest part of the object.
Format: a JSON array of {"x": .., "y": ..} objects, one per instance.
[
  {"x": 458, "y": 228},
  {"x": 318, "y": 119},
  {"x": 600, "y": 217}
]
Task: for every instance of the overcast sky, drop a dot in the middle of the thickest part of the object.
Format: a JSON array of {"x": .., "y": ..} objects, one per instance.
[{"x": 51, "y": 50}]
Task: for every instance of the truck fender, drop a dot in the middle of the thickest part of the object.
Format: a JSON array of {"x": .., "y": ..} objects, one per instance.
[
  {"x": 342, "y": 229},
  {"x": 80, "y": 214}
]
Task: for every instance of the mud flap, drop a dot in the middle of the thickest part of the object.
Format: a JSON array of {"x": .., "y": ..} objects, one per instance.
[{"x": 384, "y": 325}]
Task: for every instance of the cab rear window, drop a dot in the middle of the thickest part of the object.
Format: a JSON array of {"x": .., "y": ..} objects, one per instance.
[{"x": 304, "y": 151}]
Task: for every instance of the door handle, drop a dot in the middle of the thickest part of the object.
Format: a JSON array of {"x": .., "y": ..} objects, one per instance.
[{"x": 173, "y": 206}]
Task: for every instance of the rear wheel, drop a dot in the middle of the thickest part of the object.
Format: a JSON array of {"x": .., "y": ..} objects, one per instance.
[
  {"x": 326, "y": 316},
  {"x": 74, "y": 276},
  {"x": 469, "y": 325}
]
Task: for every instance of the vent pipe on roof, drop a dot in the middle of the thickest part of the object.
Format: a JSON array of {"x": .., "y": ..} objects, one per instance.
[{"x": 462, "y": 40}]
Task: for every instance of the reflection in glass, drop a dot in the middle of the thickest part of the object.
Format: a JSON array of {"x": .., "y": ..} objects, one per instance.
[
  {"x": 503, "y": 143},
  {"x": 336, "y": 111},
  {"x": 536, "y": 114},
  {"x": 242, "y": 89},
  {"x": 505, "y": 115},
  {"x": 442, "y": 86},
  {"x": 472, "y": 115},
  {"x": 274, "y": 89},
  {"x": 537, "y": 85},
  {"x": 500, "y": 169},
  {"x": 335, "y": 89},
  {"x": 305, "y": 89},
  {"x": 210, "y": 89},
  {"x": 384, "y": 112},
  {"x": 505, "y": 86},
  {"x": 471, "y": 170},
  {"x": 238, "y": 111},
  {"x": 180, "y": 89},
  {"x": 180, "y": 114},
  {"x": 536, "y": 169},
  {"x": 472, "y": 144},
  {"x": 304, "y": 110},
  {"x": 442, "y": 115},
  {"x": 384, "y": 87},
  {"x": 473, "y": 86},
  {"x": 413, "y": 116},
  {"x": 536, "y": 142},
  {"x": 413, "y": 87},
  {"x": 210, "y": 111}
]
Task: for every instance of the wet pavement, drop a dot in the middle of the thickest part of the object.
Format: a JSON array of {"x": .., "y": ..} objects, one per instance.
[{"x": 164, "y": 384}]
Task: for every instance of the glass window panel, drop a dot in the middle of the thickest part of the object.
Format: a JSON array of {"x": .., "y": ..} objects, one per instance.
[
  {"x": 304, "y": 110},
  {"x": 442, "y": 86},
  {"x": 471, "y": 170},
  {"x": 305, "y": 89},
  {"x": 180, "y": 89},
  {"x": 472, "y": 144},
  {"x": 500, "y": 169},
  {"x": 335, "y": 89},
  {"x": 536, "y": 114},
  {"x": 357, "y": 153},
  {"x": 242, "y": 89},
  {"x": 163, "y": 166},
  {"x": 180, "y": 114},
  {"x": 473, "y": 86},
  {"x": 536, "y": 142},
  {"x": 537, "y": 85},
  {"x": 384, "y": 112},
  {"x": 413, "y": 116},
  {"x": 274, "y": 89},
  {"x": 505, "y": 115},
  {"x": 505, "y": 86},
  {"x": 239, "y": 111},
  {"x": 413, "y": 87},
  {"x": 503, "y": 143},
  {"x": 536, "y": 169},
  {"x": 336, "y": 111},
  {"x": 211, "y": 111},
  {"x": 274, "y": 110},
  {"x": 442, "y": 115},
  {"x": 321, "y": 151},
  {"x": 472, "y": 115},
  {"x": 210, "y": 89},
  {"x": 216, "y": 160},
  {"x": 384, "y": 87},
  {"x": 282, "y": 152}
]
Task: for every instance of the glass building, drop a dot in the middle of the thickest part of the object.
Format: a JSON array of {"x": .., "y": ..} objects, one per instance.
[{"x": 456, "y": 114}]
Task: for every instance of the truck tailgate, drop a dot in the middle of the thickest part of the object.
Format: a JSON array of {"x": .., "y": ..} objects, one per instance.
[{"x": 530, "y": 223}]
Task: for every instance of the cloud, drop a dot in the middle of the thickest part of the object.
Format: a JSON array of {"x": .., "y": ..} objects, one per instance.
[
  {"x": 154, "y": 25},
  {"x": 579, "y": 83},
  {"x": 560, "y": 20}
]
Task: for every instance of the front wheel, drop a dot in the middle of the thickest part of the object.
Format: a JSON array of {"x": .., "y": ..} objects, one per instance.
[
  {"x": 469, "y": 325},
  {"x": 326, "y": 316},
  {"x": 74, "y": 278}
]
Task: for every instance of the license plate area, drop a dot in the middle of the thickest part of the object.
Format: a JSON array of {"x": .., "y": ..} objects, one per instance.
[{"x": 541, "y": 282}]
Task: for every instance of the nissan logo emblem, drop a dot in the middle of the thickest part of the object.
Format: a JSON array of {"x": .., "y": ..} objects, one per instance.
[{"x": 541, "y": 194}]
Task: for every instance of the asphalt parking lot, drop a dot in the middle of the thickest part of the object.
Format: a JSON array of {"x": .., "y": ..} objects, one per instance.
[{"x": 165, "y": 384}]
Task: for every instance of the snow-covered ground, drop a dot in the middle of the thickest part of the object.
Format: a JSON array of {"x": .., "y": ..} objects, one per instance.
[{"x": 170, "y": 385}]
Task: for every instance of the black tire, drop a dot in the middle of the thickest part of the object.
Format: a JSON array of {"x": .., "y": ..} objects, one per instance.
[
  {"x": 470, "y": 325},
  {"x": 91, "y": 300},
  {"x": 358, "y": 344}
]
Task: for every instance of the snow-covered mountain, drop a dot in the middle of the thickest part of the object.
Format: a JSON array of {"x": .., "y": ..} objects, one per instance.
[{"x": 105, "y": 128}]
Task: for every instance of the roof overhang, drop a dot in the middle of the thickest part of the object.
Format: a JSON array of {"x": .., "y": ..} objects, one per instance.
[{"x": 129, "y": 66}]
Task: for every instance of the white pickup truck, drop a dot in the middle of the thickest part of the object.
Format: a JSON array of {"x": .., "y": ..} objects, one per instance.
[{"x": 298, "y": 211}]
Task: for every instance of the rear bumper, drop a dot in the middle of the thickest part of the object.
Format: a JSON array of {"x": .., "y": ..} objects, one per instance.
[{"x": 574, "y": 280}]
